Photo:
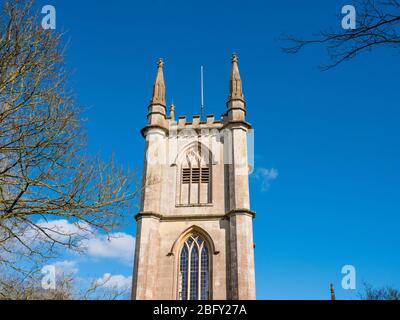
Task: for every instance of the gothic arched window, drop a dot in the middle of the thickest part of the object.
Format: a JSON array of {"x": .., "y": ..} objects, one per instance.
[
  {"x": 194, "y": 274},
  {"x": 195, "y": 177}
]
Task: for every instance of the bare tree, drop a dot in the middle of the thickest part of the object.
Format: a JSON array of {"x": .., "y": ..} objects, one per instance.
[
  {"x": 21, "y": 288},
  {"x": 44, "y": 171},
  {"x": 18, "y": 287},
  {"x": 378, "y": 24},
  {"x": 385, "y": 293}
]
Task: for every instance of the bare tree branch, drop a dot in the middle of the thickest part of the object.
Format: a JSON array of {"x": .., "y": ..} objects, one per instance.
[
  {"x": 384, "y": 293},
  {"x": 378, "y": 24},
  {"x": 45, "y": 173},
  {"x": 18, "y": 287}
]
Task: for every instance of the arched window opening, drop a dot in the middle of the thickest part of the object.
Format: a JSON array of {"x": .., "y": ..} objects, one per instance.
[
  {"x": 195, "y": 177},
  {"x": 194, "y": 271}
]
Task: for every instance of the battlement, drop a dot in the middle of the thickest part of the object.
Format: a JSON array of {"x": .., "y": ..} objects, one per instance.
[{"x": 195, "y": 123}]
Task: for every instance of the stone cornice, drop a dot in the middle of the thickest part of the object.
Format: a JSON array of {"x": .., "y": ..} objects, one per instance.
[
  {"x": 242, "y": 211},
  {"x": 238, "y": 108},
  {"x": 200, "y": 216},
  {"x": 230, "y": 107},
  {"x": 156, "y": 112},
  {"x": 233, "y": 124},
  {"x": 153, "y": 215},
  {"x": 177, "y": 217},
  {"x": 193, "y": 217},
  {"x": 156, "y": 104},
  {"x": 152, "y": 126}
]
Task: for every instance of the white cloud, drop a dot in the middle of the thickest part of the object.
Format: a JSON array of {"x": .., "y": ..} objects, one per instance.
[
  {"x": 118, "y": 245},
  {"x": 59, "y": 225},
  {"x": 65, "y": 268},
  {"x": 45, "y": 236},
  {"x": 115, "y": 281},
  {"x": 266, "y": 176},
  {"x": 62, "y": 230},
  {"x": 64, "y": 226}
]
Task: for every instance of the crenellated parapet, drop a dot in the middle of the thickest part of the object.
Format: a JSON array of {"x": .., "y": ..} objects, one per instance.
[{"x": 196, "y": 123}]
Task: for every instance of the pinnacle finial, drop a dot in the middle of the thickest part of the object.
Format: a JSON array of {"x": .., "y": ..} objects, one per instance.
[
  {"x": 235, "y": 84},
  {"x": 234, "y": 57},
  {"x": 158, "y": 96},
  {"x": 172, "y": 111}
]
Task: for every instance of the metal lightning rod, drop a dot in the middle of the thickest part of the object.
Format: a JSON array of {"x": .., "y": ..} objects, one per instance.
[{"x": 202, "y": 91}]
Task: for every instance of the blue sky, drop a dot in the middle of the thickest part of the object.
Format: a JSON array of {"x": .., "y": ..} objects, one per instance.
[{"x": 332, "y": 136}]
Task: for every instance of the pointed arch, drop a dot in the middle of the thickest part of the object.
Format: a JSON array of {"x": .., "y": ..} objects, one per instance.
[
  {"x": 194, "y": 175},
  {"x": 204, "y": 151},
  {"x": 193, "y": 251},
  {"x": 194, "y": 229}
]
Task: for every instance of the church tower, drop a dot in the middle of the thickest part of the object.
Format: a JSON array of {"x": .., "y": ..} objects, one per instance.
[{"x": 194, "y": 237}]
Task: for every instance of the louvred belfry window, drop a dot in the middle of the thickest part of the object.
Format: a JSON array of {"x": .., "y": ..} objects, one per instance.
[
  {"x": 195, "y": 178},
  {"x": 195, "y": 175}
]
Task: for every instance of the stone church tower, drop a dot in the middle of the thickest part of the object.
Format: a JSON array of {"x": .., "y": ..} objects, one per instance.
[{"x": 194, "y": 236}]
